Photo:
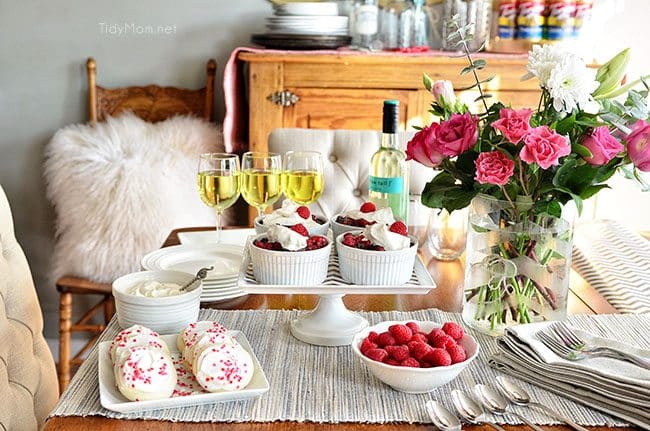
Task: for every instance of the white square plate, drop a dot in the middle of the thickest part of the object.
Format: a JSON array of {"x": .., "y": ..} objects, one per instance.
[{"x": 112, "y": 399}]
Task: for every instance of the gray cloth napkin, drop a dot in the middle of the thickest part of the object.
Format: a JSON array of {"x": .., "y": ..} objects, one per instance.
[{"x": 612, "y": 386}]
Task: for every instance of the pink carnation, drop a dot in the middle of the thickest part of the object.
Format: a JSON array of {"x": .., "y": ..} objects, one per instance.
[
  {"x": 603, "y": 146},
  {"x": 422, "y": 147},
  {"x": 457, "y": 135},
  {"x": 544, "y": 146},
  {"x": 514, "y": 124},
  {"x": 494, "y": 168}
]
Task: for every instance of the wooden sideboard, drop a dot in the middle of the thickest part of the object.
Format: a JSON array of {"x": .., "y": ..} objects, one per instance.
[{"x": 345, "y": 90}]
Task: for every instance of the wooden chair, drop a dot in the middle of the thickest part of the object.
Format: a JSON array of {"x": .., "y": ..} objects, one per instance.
[{"x": 151, "y": 103}]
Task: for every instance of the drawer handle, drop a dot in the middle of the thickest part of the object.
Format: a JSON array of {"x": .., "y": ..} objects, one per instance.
[{"x": 283, "y": 98}]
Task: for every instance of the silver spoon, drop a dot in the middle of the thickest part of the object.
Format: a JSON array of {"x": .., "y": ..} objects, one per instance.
[
  {"x": 470, "y": 410},
  {"x": 442, "y": 417},
  {"x": 200, "y": 275},
  {"x": 496, "y": 403},
  {"x": 519, "y": 396}
]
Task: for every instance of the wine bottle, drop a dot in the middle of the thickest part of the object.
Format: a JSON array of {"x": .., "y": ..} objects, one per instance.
[{"x": 389, "y": 179}]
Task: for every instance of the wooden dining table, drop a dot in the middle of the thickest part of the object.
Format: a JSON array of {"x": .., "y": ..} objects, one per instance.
[{"x": 448, "y": 275}]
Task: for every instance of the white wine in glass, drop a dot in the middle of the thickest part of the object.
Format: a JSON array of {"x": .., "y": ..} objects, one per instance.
[
  {"x": 302, "y": 177},
  {"x": 261, "y": 179},
  {"x": 219, "y": 183}
]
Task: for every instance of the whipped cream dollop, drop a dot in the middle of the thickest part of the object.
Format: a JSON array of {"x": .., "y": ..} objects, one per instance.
[
  {"x": 379, "y": 234},
  {"x": 381, "y": 216},
  {"x": 154, "y": 289},
  {"x": 287, "y": 216},
  {"x": 288, "y": 239}
]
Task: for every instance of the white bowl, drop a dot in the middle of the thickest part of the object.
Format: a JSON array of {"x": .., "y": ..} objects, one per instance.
[
  {"x": 293, "y": 268},
  {"x": 321, "y": 229},
  {"x": 339, "y": 228},
  {"x": 375, "y": 268},
  {"x": 164, "y": 315},
  {"x": 414, "y": 380}
]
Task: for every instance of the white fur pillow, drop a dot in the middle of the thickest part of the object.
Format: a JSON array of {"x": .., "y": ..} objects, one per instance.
[{"x": 119, "y": 187}]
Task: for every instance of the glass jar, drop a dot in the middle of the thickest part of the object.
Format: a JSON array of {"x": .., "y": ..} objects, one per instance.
[
  {"x": 420, "y": 28},
  {"x": 447, "y": 233},
  {"x": 389, "y": 23},
  {"x": 434, "y": 11},
  {"x": 365, "y": 23},
  {"x": 474, "y": 12},
  {"x": 517, "y": 267}
]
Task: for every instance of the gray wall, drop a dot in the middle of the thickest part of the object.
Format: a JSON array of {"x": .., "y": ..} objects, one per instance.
[{"x": 43, "y": 47}]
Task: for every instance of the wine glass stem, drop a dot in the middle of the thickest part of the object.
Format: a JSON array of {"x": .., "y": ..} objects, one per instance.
[
  {"x": 260, "y": 211},
  {"x": 218, "y": 225}
]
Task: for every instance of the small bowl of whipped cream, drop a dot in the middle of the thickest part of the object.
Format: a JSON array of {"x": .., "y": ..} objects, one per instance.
[{"x": 154, "y": 299}]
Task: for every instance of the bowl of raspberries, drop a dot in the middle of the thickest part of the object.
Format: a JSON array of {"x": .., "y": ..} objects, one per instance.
[{"x": 415, "y": 357}]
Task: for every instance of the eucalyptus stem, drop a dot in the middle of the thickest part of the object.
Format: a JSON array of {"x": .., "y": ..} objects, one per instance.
[{"x": 463, "y": 42}]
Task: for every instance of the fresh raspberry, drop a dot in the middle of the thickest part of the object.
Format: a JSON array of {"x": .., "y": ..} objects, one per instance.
[
  {"x": 378, "y": 248},
  {"x": 420, "y": 337},
  {"x": 398, "y": 353},
  {"x": 414, "y": 327},
  {"x": 367, "y": 345},
  {"x": 421, "y": 350},
  {"x": 368, "y": 207},
  {"x": 362, "y": 222},
  {"x": 385, "y": 339},
  {"x": 411, "y": 345},
  {"x": 399, "y": 227},
  {"x": 435, "y": 333},
  {"x": 391, "y": 361},
  {"x": 315, "y": 242},
  {"x": 439, "y": 358},
  {"x": 453, "y": 330},
  {"x": 443, "y": 342},
  {"x": 426, "y": 364},
  {"x": 457, "y": 353},
  {"x": 402, "y": 333},
  {"x": 300, "y": 228},
  {"x": 372, "y": 336},
  {"x": 379, "y": 354},
  {"x": 410, "y": 362},
  {"x": 303, "y": 212}
]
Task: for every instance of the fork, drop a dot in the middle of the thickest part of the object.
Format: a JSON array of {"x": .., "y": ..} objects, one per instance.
[{"x": 568, "y": 345}]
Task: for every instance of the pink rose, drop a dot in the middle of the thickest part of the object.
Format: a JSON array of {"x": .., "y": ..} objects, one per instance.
[
  {"x": 603, "y": 146},
  {"x": 514, "y": 124},
  {"x": 638, "y": 145},
  {"x": 443, "y": 92},
  {"x": 422, "y": 147},
  {"x": 494, "y": 168},
  {"x": 457, "y": 135},
  {"x": 544, "y": 146}
]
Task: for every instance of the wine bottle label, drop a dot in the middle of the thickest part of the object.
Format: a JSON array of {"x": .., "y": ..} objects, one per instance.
[{"x": 386, "y": 184}]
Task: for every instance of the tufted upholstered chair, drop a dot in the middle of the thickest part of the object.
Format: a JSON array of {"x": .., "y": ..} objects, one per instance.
[
  {"x": 28, "y": 387},
  {"x": 346, "y": 155}
]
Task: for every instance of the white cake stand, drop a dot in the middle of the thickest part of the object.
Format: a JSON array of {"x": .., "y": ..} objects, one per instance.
[{"x": 330, "y": 323}]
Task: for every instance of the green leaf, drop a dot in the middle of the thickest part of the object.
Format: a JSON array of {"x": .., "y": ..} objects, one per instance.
[
  {"x": 443, "y": 192},
  {"x": 483, "y": 97},
  {"x": 581, "y": 150},
  {"x": 565, "y": 125},
  {"x": 480, "y": 63},
  {"x": 552, "y": 208},
  {"x": 592, "y": 190},
  {"x": 428, "y": 82}
]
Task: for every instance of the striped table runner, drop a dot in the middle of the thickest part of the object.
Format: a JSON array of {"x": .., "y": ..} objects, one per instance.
[
  {"x": 329, "y": 384},
  {"x": 616, "y": 262}
]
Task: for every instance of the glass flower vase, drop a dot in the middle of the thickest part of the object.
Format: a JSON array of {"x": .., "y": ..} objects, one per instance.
[{"x": 517, "y": 265}]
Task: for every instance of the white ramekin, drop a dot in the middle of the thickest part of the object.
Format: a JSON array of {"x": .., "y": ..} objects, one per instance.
[
  {"x": 375, "y": 268},
  {"x": 292, "y": 268},
  {"x": 321, "y": 229},
  {"x": 165, "y": 315},
  {"x": 339, "y": 228}
]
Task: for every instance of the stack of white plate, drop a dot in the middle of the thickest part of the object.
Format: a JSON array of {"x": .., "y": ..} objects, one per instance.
[
  {"x": 306, "y": 18},
  {"x": 221, "y": 282}
]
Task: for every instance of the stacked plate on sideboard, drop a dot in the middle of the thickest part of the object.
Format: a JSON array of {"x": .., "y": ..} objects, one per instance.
[
  {"x": 221, "y": 282},
  {"x": 305, "y": 25}
]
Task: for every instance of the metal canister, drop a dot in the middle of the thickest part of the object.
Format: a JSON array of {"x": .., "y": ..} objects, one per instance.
[
  {"x": 530, "y": 19},
  {"x": 582, "y": 16},
  {"x": 507, "y": 19},
  {"x": 561, "y": 16}
]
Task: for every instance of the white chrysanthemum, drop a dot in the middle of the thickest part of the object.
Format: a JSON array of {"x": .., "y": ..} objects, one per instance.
[
  {"x": 542, "y": 60},
  {"x": 570, "y": 84}
]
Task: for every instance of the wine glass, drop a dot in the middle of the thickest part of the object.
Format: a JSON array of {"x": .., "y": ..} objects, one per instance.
[
  {"x": 447, "y": 233},
  {"x": 302, "y": 176},
  {"x": 261, "y": 179},
  {"x": 219, "y": 183}
]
